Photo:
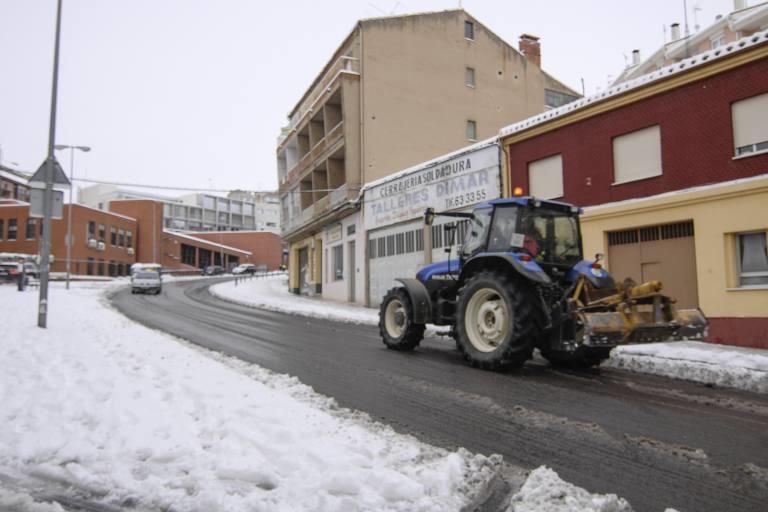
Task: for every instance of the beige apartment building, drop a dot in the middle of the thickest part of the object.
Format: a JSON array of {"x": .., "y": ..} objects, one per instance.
[{"x": 398, "y": 91}]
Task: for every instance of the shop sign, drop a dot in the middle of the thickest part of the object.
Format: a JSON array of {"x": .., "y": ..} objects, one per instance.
[{"x": 453, "y": 184}]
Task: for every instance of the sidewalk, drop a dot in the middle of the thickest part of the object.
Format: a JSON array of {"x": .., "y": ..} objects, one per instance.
[{"x": 718, "y": 365}]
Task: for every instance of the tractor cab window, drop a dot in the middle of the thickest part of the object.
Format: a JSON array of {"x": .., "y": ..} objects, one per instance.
[
  {"x": 477, "y": 232},
  {"x": 503, "y": 233},
  {"x": 551, "y": 237}
]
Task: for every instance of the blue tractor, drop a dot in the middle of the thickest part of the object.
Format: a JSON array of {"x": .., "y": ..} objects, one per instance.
[{"x": 520, "y": 282}]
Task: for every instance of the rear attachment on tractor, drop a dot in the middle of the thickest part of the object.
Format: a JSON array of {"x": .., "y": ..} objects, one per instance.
[{"x": 635, "y": 314}]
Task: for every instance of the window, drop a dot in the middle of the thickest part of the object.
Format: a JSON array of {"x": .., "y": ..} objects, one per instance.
[
  {"x": 338, "y": 262},
  {"x": 554, "y": 99},
  {"x": 113, "y": 236},
  {"x": 750, "y": 131},
  {"x": 102, "y": 233},
  {"x": 717, "y": 40},
  {"x": 469, "y": 77},
  {"x": 129, "y": 239},
  {"x": 471, "y": 130},
  {"x": 637, "y": 155},
  {"x": 545, "y": 177},
  {"x": 469, "y": 30},
  {"x": 121, "y": 238},
  {"x": 89, "y": 267},
  {"x": 101, "y": 267},
  {"x": 753, "y": 259},
  {"x": 31, "y": 224},
  {"x": 12, "y": 229},
  {"x": 91, "y": 230},
  {"x": 2, "y": 228}
]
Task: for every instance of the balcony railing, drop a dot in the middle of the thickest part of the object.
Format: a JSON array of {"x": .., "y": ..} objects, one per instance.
[{"x": 342, "y": 65}]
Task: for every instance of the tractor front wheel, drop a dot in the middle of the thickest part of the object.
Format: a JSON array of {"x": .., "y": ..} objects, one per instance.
[
  {"x": 495, "y": 321},
  {"x": 396, "y": 325}
]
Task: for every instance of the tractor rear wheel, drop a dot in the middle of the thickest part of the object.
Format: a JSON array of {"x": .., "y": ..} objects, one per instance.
[
  {"x": 495, "y": 321},
  {"x": 396, "y": 325}
]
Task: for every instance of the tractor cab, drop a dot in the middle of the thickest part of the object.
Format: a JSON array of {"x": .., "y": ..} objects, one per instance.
[{"x": 546, "y": 232}]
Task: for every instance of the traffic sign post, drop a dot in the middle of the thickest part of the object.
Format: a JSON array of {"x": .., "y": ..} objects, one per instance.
[{"x": 49, "y": 173}]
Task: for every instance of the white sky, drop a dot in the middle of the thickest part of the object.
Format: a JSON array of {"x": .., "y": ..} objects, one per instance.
[{"x": 193, "y": 93}]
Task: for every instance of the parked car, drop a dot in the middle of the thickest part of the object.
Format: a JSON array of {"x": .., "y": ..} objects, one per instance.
[
  {"x": 146, "y": 281},
  {"x": 245, "y": 268},
  {"x": 213, "y": 270},
  {"x": 31, "y": 269},
  {"x": 10, "y": 271}
]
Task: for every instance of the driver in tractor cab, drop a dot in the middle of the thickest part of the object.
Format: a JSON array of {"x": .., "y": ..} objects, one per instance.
[{"x": 533, "y": 241}]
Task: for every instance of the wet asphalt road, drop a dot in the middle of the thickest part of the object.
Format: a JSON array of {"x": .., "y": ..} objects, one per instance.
[{"x": 656, "y": 442}]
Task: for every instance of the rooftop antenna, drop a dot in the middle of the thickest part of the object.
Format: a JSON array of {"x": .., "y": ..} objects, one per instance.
[
  {"x": 696, "y": 10},
  {"x": 687, "y": 31}
]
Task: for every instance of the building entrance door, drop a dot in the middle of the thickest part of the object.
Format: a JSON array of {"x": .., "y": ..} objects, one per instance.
[
  {"x": 303, "y": 271},
  {"x": 352, "y": 271}
]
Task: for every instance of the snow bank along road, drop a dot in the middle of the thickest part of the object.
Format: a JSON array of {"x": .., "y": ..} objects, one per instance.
[{"x": 656, "y": 442}]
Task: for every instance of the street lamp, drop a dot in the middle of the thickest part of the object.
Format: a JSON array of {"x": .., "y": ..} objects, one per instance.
[{"x": 71, "y": 149}]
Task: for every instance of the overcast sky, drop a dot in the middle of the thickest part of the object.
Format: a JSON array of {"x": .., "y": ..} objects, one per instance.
[{"x": 193, "y": 93}]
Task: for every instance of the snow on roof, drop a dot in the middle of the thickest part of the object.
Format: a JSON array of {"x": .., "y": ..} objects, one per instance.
[
  {"x": 435, "y": 161},
  {"x": 15, "y": 176},
  {"x": 674, "y": 69},
  {"x": 105, "y": 211},
  {"x": 203, "y": 240},
  {"x": 691, "y": 190}
]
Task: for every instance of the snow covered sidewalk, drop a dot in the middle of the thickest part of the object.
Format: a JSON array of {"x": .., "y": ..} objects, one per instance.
[
  {"x": 719, "y": 365},
  {"x": 108, "y": 411}
]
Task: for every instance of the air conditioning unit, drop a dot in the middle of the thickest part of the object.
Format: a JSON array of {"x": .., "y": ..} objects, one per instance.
[
  {"x": 102, "y": 246},
  {"x": 92, "y": 243},
  {"x": 130, "y": 250}
]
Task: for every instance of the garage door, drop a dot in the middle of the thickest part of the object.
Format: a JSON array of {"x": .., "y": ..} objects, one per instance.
[
  {"x": 665, "y": 252},
  {"x": 394, "y": 251},
  {"x": 398, "y": 251}
]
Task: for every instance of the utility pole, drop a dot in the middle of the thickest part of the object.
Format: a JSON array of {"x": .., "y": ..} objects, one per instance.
[{"x": 45, "y": 252}]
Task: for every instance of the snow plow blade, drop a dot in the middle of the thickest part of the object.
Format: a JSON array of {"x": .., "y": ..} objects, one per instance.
[{"x": 639, "y": 314}]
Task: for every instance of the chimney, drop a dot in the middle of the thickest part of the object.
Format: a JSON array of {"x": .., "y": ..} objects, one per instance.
[
  {"x": 739, "y": 5},
  {"x": 530, "y": 47},
  {"x": 635, "y": 57},
  {"x": 675, "y": 32}
]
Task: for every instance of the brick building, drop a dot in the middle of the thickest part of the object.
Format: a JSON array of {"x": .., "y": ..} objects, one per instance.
[
  {"x": 106, "y": 243},
  {"x": 103, "y": 243},
  {"x": 673, "y": 170}
]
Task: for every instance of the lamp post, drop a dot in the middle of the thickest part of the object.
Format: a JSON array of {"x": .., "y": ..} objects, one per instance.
[{"x": 71, "y": 149}]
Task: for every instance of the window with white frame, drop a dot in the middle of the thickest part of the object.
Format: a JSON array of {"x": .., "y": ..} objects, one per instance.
[
  {"x": 752, "y": 253},
  {"x": 717, "y": 40},
  {"x": 750, "y": 130},
  {"x": 338, "y": 262},
  {"x": 637, "y": 155},
  {"x": 545, "y": 177},
  {"x": 469, "y": 77},
  {"x": 471, "y": 130}
]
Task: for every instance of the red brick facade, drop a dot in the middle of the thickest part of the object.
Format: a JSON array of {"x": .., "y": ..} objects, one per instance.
[
  {"x": 265, "y": 248},
  {"x": 696, "y": 140},
  {"x": 101, "y": 257}
]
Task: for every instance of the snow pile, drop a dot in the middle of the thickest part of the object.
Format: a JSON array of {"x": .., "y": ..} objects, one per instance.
[
  {"x": 271, "y": 293},
  {"x": 544, "y": 491},
  {"x": 728, "y": 366},
  {"x": 127, "y": 416}
]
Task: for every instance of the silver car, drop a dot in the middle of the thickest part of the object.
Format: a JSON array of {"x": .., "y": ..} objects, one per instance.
[{"x": 145, "y": 281}]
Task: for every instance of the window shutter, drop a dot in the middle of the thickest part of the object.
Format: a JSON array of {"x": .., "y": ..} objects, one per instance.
[
  {"x": 637, "y": 155},
  {"x": 749, "y": 121},
  {"x": 545, "y": 177}
]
